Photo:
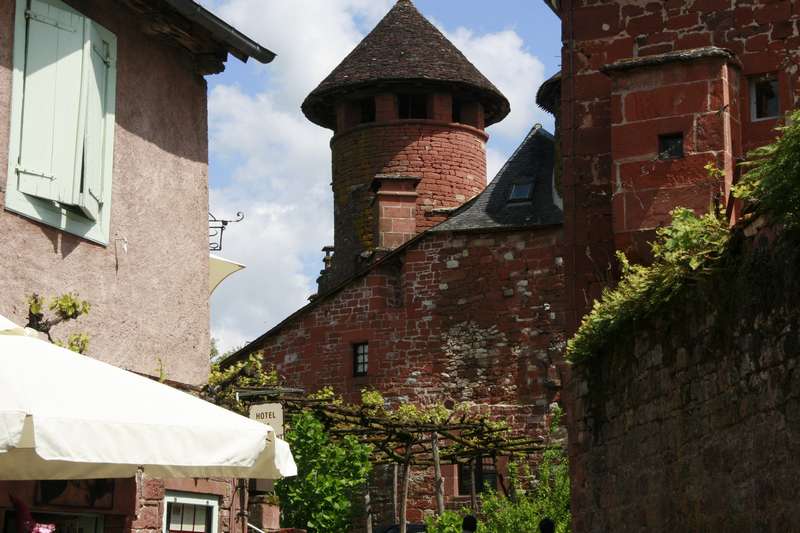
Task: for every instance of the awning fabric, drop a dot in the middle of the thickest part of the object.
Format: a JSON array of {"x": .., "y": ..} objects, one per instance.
[
  {"x": 69, "y": 416},
  {"x": 220, "y": 268}
]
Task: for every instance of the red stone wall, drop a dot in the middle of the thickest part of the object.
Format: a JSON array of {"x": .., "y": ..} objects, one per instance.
[
  {"x": 467, "y": 317},
  {"x": 700, "y": 101},
  {"x": 450, "y": 159},
  {"x": 763, "y": 34},
  {"x": 692, "y": 422}
]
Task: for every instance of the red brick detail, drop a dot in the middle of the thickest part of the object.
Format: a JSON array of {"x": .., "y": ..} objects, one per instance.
[
  {"x": 385, "y": 107},
  {"x": 441, "y": 105},
  {"x": 472, "y": 114},
  {"x": 765, "y": 37},
  {"x": 476, "y": 317},
  {"x": 448, "y": 159},
  {"x": 395, "y": 202}
]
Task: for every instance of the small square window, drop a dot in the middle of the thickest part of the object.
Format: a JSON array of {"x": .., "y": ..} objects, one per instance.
[
  {"x": 360, "y": 359},
  {"x": 190, "y": 513},
  {"x": 521, "y": 192},
  {"x": 670, "y": 146},
  {"x": 764, "y": 100}
]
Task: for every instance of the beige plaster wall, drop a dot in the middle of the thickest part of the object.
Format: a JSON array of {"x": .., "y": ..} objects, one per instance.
[{"x": 151, "y": 301}]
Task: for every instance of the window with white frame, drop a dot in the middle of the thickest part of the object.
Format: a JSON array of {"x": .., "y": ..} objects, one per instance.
[
  {"x": 360, "y": 359},
  {"x": 190, "y": 513},
  {"x": 62, "y": 119}
]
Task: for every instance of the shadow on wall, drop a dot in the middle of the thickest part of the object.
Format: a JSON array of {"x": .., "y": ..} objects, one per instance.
[{"x": 160, "y": 99}]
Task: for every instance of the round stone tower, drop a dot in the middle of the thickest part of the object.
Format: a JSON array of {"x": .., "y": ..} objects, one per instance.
[{"x": 408, "y": 112}]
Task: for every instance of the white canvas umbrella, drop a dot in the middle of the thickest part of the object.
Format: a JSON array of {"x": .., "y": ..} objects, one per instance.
[{"x": 68, "y": 416}]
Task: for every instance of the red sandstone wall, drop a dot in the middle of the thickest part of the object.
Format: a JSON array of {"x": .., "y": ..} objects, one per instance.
[
  {"x": 762, "y": 33},
  {"x": 698, "y": 99},
  {"x": 472, "y": 317},
  {"x": 692, "y": 422},
  {"x": 449, "y": 158}
]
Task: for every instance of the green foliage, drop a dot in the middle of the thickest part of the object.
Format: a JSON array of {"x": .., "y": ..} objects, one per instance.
[
  {"x": 548, "y": 496},
  {"x": 36, "y": 305},
  {"x": 162, "y": 372},
  {"x": 689, "y": 248},
  {"x": 772, "y": 182},
  {"x": 328, "y": 479},
  {"x": 372, "y": 398},
  {"x": 448, "y": 522},
  {"x": 68, "y": 306},
  {"x": 77, "y": 342},
  {"x": 213, "y": 350},
  {"x": 248, "y": 373}
]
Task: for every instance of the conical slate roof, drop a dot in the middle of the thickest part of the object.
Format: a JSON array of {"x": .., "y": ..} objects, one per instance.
[{"x": 404, "y": 47}]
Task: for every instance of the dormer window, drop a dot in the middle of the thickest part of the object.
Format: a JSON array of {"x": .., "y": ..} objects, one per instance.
[
  {"x": 410, "y": 106},
  {"x": 521, "y": 192}
]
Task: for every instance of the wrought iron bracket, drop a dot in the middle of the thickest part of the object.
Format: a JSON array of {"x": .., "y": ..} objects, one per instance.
[{"x": 216, "y": 229}]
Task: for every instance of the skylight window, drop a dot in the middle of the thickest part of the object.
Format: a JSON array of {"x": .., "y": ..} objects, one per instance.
[{"x": 521, "y": 192}]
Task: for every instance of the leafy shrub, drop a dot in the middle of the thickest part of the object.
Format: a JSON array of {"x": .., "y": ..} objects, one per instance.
[
  {"x": 690, "y": 247},
  {"x": 448, "y": 522},
  {"x": 548, "y": 497},
  {"x": 693, "y": 245},
  {"x": 329, "y": 478},
  {"x": 772, "y": 182}
]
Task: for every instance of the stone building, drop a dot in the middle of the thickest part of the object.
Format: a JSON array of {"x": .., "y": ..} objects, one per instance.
[
  {"x": 434, "y": 294},
  {"x": 439, "y": 287},
  {"x": 651, "y": 92},
  {"x": 103, "y": 129}
]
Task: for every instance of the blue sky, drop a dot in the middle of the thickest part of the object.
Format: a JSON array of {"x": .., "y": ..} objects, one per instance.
[{"x": 268, "y": 161}]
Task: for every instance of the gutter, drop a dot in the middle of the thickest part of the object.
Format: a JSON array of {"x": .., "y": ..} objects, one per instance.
[{"x": 240, "y": 45}]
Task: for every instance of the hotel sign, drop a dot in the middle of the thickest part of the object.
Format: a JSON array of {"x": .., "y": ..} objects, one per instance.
[{"x": 269, "y": 413}]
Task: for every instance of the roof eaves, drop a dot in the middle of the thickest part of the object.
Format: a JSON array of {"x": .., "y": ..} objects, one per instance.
[
  {"x": 239, "y": 44},
  {"x": 247, "y": 349},
  {"x": 555, "y": 6}
]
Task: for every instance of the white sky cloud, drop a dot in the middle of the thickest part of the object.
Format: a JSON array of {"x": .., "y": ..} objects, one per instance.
[{"x": 277, "y": 164}]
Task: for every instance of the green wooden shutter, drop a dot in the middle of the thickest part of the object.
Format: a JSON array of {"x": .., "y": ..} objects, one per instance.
[
  {"x": 51, "y": 141},
  {"x": 100, "y": 79}
]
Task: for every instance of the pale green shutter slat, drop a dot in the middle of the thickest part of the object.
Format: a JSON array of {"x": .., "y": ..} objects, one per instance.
[
  {"x": 100, "y": 61},
  {"x": 51, "y": 138}
]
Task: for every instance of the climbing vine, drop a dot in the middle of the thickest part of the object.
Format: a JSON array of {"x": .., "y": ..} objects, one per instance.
[
  {"x": 694, "y": 246},
  {"x": 689, "y": 248},
  {"x": 63, "y": 308},
  {"x": 772, "y": 182}
]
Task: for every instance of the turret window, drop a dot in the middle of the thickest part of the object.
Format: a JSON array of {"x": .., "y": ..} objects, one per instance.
[
  {"x": 367, "y": 110},
  {"x": 456, "y": 110},
  {"x": 411, "y": 106}
]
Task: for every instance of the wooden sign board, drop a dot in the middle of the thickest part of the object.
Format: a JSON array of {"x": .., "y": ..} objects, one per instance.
[{"x": 269, "y": 413}]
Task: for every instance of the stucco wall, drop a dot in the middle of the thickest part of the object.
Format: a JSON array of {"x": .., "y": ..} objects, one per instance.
[
  {"x": 151, "y": 301},
  {"x": 692, "y": 422}
]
